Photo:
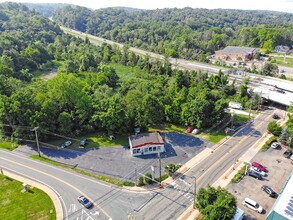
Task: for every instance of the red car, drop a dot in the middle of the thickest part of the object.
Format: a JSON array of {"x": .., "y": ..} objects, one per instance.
[
  {"x": 259, "y": 166},
  {"x": 189, "y": 130}
]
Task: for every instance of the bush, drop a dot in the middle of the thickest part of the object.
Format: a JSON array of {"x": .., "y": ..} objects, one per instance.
[
  {"x": 140, "y": 181},
  {"x": 265, "y": 147},
  {"x": 148, "y": 178},
  {"x": 165, "y": 176},
  {"x": 274, "y": 128},
  {"x": 239, "y": 175},
  {"x": 127, "y": 183},
  {"x": 271, "y": 139}
]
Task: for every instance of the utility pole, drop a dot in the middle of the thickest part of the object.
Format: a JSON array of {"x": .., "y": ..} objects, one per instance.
[
  {"x": 194, "y": 200},
  {"x": 37, "y": 139},
  {"x": 160, "y": 167},
  {"x": 135, "y": 176}
]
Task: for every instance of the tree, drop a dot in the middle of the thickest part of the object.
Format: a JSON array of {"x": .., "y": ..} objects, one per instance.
[
  {"x": 274, "y": 128},
  {"x": 170, "y": 168},
  {"x": 148, "y": 178},
  {"x": 216, "y": 203}
]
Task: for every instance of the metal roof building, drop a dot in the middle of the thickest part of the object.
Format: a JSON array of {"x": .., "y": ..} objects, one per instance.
[{"x": 283, "y": 207}]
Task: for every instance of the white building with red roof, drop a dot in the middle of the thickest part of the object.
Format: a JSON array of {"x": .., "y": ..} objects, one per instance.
[{"x": 147, "y": 143}]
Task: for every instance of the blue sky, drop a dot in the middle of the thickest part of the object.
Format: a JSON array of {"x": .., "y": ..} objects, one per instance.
[{"x": 275, "y": 5}]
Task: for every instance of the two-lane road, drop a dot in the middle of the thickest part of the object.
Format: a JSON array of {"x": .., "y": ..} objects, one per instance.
[{"x": 110, "y": 202}]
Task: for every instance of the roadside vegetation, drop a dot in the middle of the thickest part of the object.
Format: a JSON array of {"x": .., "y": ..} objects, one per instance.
[
  {"x": 7, "y": 145},
  {"x": 31, "y": 205},
  {"x": 238, "y": 176}
]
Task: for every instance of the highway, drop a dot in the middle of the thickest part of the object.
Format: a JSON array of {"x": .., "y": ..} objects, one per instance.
[
  {"x": 264, "y": 86},
  {"x": 115, "y": 203}
]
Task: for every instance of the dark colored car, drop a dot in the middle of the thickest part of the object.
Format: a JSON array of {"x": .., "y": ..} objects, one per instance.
[
  {"x": 259, "y": 166},
  {"x": 254, "y": 174},
  {"x": 275, "y": 116},
  {"x": 83, "y": 142},
  {"x": 85, "y": 202},
  {"x": 269, "y": 191},
  {"x": 287, "y": 153}
]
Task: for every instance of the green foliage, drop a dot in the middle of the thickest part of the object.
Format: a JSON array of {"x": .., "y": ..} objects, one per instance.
[
  {"x": 8, "y": 145},
  {"x": 163, "y": 177},
  {"x": 148, "y": 178},
  {"x": 239, "y": 175},
  {"x": 264, "y": 147},
  {"x": 140, "y": 181},
  {"x": 274, "y": 128},
  {"x": 270, "y": 140},
  {"x": 216, "y": 203}
]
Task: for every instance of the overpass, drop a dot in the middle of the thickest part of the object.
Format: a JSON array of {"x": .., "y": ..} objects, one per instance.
[{"x": 266, "y": 87}]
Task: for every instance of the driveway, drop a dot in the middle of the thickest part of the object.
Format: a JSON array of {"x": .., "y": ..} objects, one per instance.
[{"x": 117, "y": 162}]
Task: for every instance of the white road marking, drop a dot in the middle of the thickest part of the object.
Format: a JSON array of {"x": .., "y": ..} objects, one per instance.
[{"x": 72, "y": 208}]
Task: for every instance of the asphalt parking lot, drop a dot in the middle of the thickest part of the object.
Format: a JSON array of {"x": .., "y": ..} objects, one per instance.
[
  {"x": 117, "y": 162},
  {"x": 279, "y": 169}
]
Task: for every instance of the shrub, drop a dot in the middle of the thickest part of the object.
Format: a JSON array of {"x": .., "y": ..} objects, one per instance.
[
  {"x": 271, "y": 139},
  {"x": 165, "y": 176},
  {"x": 239, "y": 175},
  {"x": 148, "y": 178},
  {"x": 140, "y": 181},
  {"x": 127, "y": 183}
]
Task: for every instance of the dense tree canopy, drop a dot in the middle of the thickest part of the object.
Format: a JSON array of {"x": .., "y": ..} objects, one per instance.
[
  {"x": 216, "y": 203},
  {"x": 187, "y": 33}
]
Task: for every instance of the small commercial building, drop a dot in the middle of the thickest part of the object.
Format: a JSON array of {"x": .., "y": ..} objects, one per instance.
[
  {"x": 283, "y": 207},
  {"x": 236, "y": 53},
  {"x": 282, "y": 49},
  {"x": 147, "y": 143}
]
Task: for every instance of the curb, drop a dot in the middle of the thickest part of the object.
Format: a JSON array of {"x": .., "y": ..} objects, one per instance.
[{"x": 55, "y": 197}]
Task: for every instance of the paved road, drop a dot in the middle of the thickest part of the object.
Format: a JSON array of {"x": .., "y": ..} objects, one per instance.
[
  {"x": 262, "y": 85},
  {"x": 109, "y": 202},
  {"x": 171, "y": 202}
]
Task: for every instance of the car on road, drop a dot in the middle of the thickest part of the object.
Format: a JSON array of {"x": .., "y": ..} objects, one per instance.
[
  {"x": 189, "y": 130},
  {"x": 287, "y": 153},
  {"x": 259, "y": 166},
  {"x": 66, "y": 144},
  {"x": 280, "y": 91},
  {"x": 275, "y": 145},
  {"x": 269, "y": 191},
  {"x": 85, "y": 202},
  {"x": 252, "y": 205},
  {"x": 275, "y": 116},
  {"x": 254, "y": 174},
  {"x": 83, "y": 142},
  {"x": 262, "y": 173}
]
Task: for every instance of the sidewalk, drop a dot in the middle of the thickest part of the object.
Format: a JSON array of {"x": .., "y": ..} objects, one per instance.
[
  {"x": 50, "y": 192},
  {"x": 224, "y": 180}
]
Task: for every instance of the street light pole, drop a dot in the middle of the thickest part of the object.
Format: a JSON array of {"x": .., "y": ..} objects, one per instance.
[{"x": 37, "y": 139}]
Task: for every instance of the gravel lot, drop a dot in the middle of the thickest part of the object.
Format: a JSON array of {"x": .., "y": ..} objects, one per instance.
[{"x": 279, "y": 169}]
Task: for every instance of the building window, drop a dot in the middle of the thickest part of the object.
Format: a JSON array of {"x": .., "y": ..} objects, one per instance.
[
  {"x": 150, "y": 149},
  {"x": 154, "y": 148},
  {"x": 146, "y": 150},
  {"x": 134, "y": 151},
  {"x": 159, "y": 148}
]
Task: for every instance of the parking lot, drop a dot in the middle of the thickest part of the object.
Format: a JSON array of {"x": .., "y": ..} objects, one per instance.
[{"x": 279, "y": 169}]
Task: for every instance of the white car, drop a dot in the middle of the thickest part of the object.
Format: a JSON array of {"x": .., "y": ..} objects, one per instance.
[
  {"x": 195, "y": 131},
  {"x": 66, "y": 144},
  {"x": 275, "y": 145},
  {"x": 252, "y": 205},
  {"x": 262, "y": 173}
]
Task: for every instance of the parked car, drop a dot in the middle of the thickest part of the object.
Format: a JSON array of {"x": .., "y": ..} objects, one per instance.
[
  {"x": 66, "y": 144},
  {"x": 269, "y": 191},
  {"x": 83, "y": 142},
  {"x": 254, "y": 174},
  {"x": 287, "y": 153},
  {"x": 189, "y": 130},
  {"x": 252, "y": 205},
  {"x": 275, "y": 116},
  {"x": 262, "y": 173},
  {"x": 259, "y": 166},
  {"x": 85, "y": 202},
  {"x": 275, "y": 145},
  {"x": 280, "y": 91},
  {"x": 195, "y": 131}
]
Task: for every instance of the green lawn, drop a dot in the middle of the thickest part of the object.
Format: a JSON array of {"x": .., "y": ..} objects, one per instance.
[
  {"x": 99, "y": 140},
  {"x": 212, "y": 136},
  {"x": 8, "y": 145},
  {"x": 14, "y": 204}
]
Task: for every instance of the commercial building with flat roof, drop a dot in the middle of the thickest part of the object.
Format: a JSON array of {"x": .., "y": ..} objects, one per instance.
[
  {"x": 236, "y": 53},
  {"x": 283, "y": 207}
]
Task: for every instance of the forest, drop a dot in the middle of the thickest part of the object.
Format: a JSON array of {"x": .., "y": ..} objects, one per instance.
[
  {"x": 89, "y": 94},
  {"x": 182, "y": 33}
]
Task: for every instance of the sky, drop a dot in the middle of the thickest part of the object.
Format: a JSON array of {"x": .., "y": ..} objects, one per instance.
[{"x": 274, "y": 5}]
